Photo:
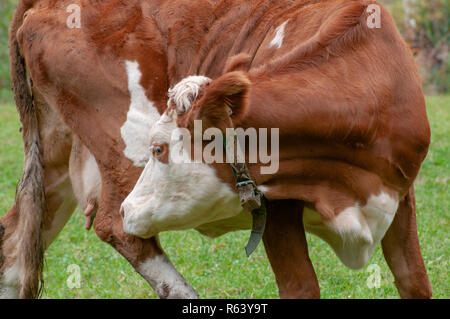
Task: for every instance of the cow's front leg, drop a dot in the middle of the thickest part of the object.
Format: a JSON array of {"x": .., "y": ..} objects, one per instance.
[
  {"x": 402, "y": 252},
  {"x": 287, "y": 249},
  {"x": 145, "y": 255}
]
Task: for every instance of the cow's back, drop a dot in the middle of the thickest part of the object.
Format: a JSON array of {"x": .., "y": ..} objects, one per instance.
[{"x": 359, "y": 101}]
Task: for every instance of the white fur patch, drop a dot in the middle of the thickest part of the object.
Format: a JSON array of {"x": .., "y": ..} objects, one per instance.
[
  {"x": 356, "y": 231},
  {"x": 165, "y": 279},
  {"x": 277, "y": 41},
  {"x": 186, "y": 91},
  {"x": 264, "y": 189},
  {"x": 140, "y": 118},
  {"x": 9, "y": 285},
  {"x": 242, "y": 221}
]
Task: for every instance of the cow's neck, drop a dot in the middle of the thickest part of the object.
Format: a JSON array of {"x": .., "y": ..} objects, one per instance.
[{"x": 201, "y": 41}]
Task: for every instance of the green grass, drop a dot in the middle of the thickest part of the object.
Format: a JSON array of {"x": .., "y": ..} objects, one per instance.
[{"x": 218, "y": 268}]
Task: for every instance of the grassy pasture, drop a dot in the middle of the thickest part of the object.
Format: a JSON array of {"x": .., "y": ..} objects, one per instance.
[{"x": 218, "y": 268}]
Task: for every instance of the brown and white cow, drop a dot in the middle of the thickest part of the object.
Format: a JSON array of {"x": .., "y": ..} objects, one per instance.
[
  {"x": 351, "y": 142},
  {"x": 96, "y": 91}
]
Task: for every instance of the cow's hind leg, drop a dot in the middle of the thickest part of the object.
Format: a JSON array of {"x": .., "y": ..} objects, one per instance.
[
  {"x": 287, "y": 249},
  {"x": 402, "y": 252},
  {"x": 60, "y": 205}
]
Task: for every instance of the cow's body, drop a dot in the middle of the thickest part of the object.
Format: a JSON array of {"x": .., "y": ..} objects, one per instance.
[{"x": 100, "y": 89}]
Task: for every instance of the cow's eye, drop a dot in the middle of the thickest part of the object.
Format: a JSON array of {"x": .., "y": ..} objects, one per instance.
[
  {"x": 158, "y": 150},
  {"x": 161, "y": 152}
]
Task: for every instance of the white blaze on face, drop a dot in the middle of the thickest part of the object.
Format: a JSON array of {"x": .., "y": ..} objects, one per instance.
[
  {"x": 277, "y": 41},
  {"x": 140, "y": 118},
  {"x": 176, "y": 195}
]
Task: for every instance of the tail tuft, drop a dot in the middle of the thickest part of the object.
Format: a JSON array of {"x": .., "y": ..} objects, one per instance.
[{"x": 30, "y": 194}]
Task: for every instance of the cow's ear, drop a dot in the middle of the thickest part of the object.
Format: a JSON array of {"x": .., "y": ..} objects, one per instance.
[{"x": 225, "y": 100}]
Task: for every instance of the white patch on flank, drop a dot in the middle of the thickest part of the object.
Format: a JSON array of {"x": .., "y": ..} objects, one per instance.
[
  {"x": 356, "y": 231},
  {"x": 9, "y": 286},
  {"x": 165, "y": 279},
  {"x": 186, "y": 91},
  {"x": 140, "y": 118},
  {"x": 179, "y": 195},
  {"x": 277, "y": 41}
]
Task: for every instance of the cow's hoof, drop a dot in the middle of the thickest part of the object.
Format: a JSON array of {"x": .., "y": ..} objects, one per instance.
[{"x": 182, "y": 291}]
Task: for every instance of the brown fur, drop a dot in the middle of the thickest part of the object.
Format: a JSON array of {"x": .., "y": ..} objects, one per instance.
[
  {"x": 227, "y": 94},
  {"x": 238, "y": 62},
  {"x": 285, "y": 230},
  {"x": 80, "y": 75},
  {"x": 343, "y": 28},
  {"x": 399, "y": 244}
]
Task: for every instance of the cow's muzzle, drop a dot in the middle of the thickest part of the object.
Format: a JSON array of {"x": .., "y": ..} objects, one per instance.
[{"x": 134, "y": 221}]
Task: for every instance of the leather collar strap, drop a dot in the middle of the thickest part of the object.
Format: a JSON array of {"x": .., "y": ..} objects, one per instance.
[{"x": 252, "y": 200}]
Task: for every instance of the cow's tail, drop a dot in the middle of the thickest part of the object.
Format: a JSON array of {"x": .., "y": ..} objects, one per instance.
[{"x": 30, "y": 194}]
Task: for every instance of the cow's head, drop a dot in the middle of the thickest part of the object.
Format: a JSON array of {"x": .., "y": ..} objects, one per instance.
[{"x": 177, "y": 190}]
